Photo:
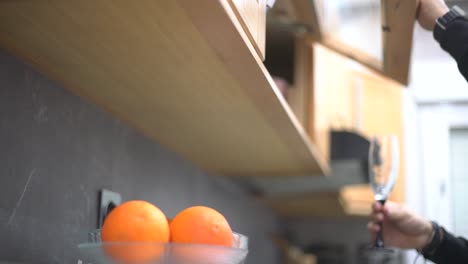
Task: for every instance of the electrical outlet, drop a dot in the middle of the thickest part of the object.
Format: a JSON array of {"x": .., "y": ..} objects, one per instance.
[{"x": 108, "y": 200}]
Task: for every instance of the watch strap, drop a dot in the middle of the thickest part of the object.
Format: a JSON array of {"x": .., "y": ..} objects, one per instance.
[
  {"x": 444, "y": 21},
  {"x": 434, "y": 244}
]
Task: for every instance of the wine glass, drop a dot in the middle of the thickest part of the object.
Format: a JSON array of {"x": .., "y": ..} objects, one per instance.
[{"x": 383, "y": 172}]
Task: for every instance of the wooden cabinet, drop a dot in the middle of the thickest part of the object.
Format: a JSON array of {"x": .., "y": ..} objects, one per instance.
[
  {"x": 186, "y": 73},
  {"x": 348, "y": 96},
  {"x": 182, "y": 72},
  {"x": 342, "y": 95},
  {"x": 332, "y": 99},
  {"x": 252, "y": 17},
  {"x": 321, "y": 94},
  {"x": 379, "y": 111}
]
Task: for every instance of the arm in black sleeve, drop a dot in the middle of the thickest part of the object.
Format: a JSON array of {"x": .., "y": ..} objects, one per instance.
[
  {"x": 455, "y": 42},
  {"x": 451, "y": 250}
]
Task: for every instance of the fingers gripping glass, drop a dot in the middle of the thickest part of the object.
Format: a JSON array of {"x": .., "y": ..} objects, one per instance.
[{"x": 383, "y": 172}]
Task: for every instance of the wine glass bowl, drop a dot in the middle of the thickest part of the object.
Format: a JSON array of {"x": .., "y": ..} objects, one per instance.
[{"x": 383, "y": 165}]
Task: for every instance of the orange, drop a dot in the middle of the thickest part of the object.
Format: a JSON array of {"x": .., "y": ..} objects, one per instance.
[
  {"x": 201, "y": 225},
  {"x": 135, "y": 221}
]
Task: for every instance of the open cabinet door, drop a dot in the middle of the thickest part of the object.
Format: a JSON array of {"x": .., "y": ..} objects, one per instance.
[
  {"x": 398, "y": 19},
  {"x": 377, "y": 34}
]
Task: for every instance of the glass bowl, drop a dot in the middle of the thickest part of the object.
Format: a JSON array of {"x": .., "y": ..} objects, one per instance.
[{"x": 97, "y": 252}]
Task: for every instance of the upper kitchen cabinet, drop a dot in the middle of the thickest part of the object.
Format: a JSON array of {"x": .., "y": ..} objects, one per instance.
[
  {"x": 377, "y": 34},
  {"x": 343, "y": 98},
  {"x": 188, "y": 74},
  {"x": 348, "y": 96}
]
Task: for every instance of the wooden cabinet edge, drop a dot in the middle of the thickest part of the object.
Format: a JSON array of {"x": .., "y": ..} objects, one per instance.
[{"x": 256, "y": 38}]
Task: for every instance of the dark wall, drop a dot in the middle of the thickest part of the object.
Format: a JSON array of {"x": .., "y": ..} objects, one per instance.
[{"x": 57, "y": 151}]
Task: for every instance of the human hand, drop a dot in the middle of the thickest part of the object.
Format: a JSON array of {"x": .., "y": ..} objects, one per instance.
[
  {"x": 402, "y": 228},
  {"x": 429, "y": 11}
]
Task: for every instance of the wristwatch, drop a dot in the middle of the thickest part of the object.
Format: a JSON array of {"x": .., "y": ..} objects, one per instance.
[
  {"x": 436, "y": 240},
  {"x": 444, "y": 21}
]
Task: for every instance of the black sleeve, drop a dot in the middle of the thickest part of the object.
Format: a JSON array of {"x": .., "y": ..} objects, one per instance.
[
  {"x": 455, "y": 42},
  {"x": 452, "y": 250}
]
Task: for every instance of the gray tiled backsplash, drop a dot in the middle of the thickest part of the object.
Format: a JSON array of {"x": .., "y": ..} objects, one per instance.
[{"x": 57, "y": 151}]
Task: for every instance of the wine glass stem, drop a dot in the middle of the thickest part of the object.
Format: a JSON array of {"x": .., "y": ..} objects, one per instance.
[{"x": 379, "y": 241}]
